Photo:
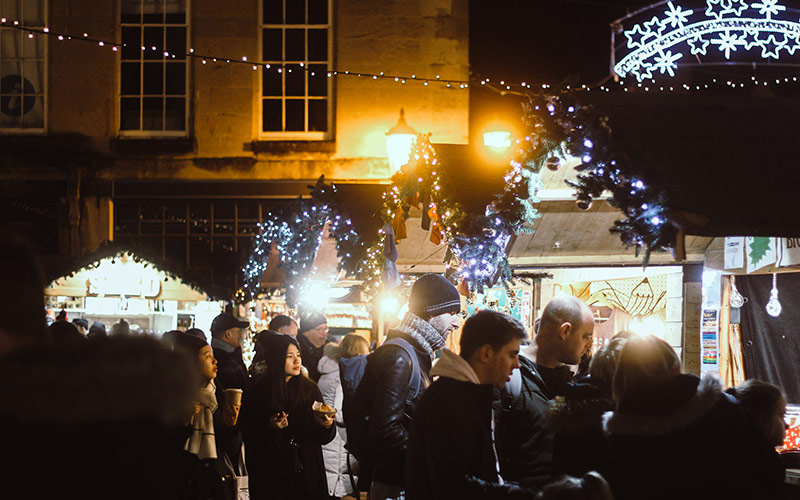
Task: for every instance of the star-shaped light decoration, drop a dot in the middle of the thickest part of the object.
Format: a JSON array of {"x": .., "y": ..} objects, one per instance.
[
  {"x": 677, "y": 16},
  {"x": 637, "y": 36},
  {"x": 727, "y": 42},
  {"x": 665, "y": 62},
  {"x": 699, "y": 45},
  {"x": 771, "y": 47},
  {"x": 717, "y": 8},
  {"x": 791, "y": 43},
  {"x": 768, "y": 7},
  {"x": 737, "y": 6}
]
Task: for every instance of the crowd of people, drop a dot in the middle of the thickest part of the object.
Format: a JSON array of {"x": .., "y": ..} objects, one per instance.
[{"x": 133, "y": 416}]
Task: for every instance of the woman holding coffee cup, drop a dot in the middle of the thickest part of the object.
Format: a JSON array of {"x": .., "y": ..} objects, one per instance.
[
  {"x": 283, "y": 435},
  {"x": 211, "y": 427}
]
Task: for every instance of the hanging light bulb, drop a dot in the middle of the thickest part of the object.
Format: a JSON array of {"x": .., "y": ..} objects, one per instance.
[
  {"x": 736, "y": 298},
  {"x": 773, "y": 306}
]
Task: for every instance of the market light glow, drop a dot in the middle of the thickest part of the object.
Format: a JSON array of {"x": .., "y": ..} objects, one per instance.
[
  {"x": 497, "y": 140},
  {"x": 399, "y": 143}
]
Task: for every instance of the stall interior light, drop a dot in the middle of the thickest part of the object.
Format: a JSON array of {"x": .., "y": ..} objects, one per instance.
[
  {"x": 497, "y": 140},
  {"x": 651, "y": 325}
]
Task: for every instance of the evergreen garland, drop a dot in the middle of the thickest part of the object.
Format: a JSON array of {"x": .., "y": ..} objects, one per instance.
[{"x": 559, "y": 128}]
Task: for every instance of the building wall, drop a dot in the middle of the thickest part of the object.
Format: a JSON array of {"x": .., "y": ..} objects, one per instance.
[
  {"x": 82, "y": 156},
  {"x": 423, "y": 38}
]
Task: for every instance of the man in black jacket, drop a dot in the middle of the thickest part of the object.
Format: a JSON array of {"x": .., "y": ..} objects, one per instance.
[
  {"x": 432, "y": 313},
  {"x": 451, "y": 452},
  {"x": 226, "y": 340},
  {"x": 525, "y": 433},
  {"x": 312, "y": 339}
]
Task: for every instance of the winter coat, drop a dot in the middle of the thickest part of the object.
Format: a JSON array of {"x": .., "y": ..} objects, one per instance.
[
  {"x": 524, "y": 430},
  {"x": 451, "y": 452},
  {"x": 334, "y": 453},
  {"x": 231, "y": 370},
  {"x": 284, "y": 463},
  {"x": 685, "y": 439},
  {"x": 579, "y": 445},
  {"x": 387, "y": 377}
]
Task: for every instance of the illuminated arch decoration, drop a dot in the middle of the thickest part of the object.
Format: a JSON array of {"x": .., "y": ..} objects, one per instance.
[{"x": 711, "y": 31}]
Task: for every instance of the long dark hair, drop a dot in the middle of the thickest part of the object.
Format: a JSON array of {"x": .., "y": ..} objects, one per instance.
[{"x": 285, "y": 395}]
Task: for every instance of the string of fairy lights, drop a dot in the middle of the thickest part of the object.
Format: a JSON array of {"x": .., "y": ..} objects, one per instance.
[{"x": 499, "y": 85}]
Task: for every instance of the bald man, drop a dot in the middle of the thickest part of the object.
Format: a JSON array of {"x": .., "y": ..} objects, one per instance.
[{"x": 524, "y": 432}]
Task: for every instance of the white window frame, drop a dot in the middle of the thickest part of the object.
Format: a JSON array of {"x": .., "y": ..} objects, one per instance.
[
  {"x": 44, "y": 59},
  {"x": 187, "y": 95},
  {"x": 294, "y": 135}
]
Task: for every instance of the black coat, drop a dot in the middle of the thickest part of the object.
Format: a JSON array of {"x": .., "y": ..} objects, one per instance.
[
  {"x": 524, "y": 430},
  {"x": 311, "y": 356},
  {"x": 685, "y": 439},
  {"x": 450, "y": 453},
  {"x": 386, "y": 378},
  {"x": 579, "y": 445},
  {"x": 284, "y": 463}
]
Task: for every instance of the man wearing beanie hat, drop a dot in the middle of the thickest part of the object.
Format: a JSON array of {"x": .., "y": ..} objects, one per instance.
[
  {"x": 312, "y": 339},
  {"x": 385, "y": 389}
]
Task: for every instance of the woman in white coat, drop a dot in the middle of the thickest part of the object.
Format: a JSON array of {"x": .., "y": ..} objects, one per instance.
[{"x": 334, "y": 453}]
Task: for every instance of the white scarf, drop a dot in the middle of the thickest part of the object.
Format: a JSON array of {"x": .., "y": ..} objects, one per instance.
[{"x": 202, "y": 442}]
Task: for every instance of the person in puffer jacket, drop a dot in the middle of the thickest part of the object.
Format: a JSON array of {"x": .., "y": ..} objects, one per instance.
[{"x": 334, "y": 453}]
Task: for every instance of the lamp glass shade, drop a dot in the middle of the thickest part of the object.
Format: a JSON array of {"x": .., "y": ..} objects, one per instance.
[{"x": 399, "y": 148}]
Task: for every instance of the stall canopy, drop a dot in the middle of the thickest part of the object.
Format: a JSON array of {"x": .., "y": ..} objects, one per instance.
[{"x": 113, "y": 270}]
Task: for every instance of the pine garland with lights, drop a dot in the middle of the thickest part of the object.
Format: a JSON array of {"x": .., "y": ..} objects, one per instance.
[{"x": 559, "y": 128}]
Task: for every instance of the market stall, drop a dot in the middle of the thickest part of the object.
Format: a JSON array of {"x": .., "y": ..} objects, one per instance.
[{"x": 126, "y": 287}]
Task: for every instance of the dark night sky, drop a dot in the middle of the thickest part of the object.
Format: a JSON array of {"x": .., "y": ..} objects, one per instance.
[{"x": 544, "y": 41}]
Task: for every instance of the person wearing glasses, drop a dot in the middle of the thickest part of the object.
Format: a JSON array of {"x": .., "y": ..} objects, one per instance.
[{"x": 312, "y": 339}]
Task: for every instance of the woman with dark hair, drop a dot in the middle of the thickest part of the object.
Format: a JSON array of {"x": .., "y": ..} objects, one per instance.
[
  {"x": 283, "y": 435},
  {"x": 675, "y": 435}
]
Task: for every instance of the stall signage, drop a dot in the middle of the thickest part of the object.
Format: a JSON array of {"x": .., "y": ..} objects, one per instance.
[
  {"x": 124, "y": 286},
  {"x": 789, "y": 252}
]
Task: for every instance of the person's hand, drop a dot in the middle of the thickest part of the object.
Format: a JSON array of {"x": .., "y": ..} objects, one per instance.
[
  {"x": 279, "y": 420},
  {"x": 324, "y": 419},
  {"x": 230, "y": 414}
]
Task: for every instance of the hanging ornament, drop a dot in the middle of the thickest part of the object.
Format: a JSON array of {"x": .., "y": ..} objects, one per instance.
[
  {"x": 553, "y": 163},
  {"x": 773, "y": 306},
  {"x": 736, "y": 298},
  {"x": 584, "y": 204}
]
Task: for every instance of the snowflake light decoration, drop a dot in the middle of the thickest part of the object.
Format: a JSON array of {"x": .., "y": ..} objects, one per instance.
[{"x": 721, "y": 31}]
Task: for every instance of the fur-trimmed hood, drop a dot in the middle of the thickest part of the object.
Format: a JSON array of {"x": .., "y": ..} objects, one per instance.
[{"x": 628, "y": 421}]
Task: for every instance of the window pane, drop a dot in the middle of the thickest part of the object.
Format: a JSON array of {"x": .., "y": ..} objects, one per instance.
[
  {"x": 33, "y": 73},
  {"x": 273, "y": 45},
  {"x": 175, "y": 249},
  {"x": 129, "y": 78},
  {"x": 33, "y": 13},
  {"x": 317, "y": 45},
  {"x": 33, "y": 47},
  {"x": 273, "y": 82},
  {"x": 317, "y": 80},
  {"x": 9, "y": 9},
  {"x": 152, "y": 113},
  {"x": 295, "y": 115},
  {"x": 130, "y": 11},
  {"x": 176, "y": 78},
  {"x": 223, "y": 217},
  {"x": 317, "y": 11},
  {"x": 271, "y": 109},
  {"x": 153, "y": 77},
  {"x": 273, "y": 11},
  {"x": 34, "y": 118},
  {"x": 175, "y": 218},
  {"x": 176, "y": 42},
  {"x": 153, "y": 11},
  {"x": 200, "y": 214},
  {"x": 129, "y": 113},
  {"x": 295, "y": 11},
  {"x": 318, "y": 115},
  {"x": 131, "y": 39},
  {"x": 199, "y": 251},
  {"x": 175, "y": 114},
  {"x": 296, "y": 45},
  {"x": 10, "y": 44},
  {"x": 175, "y": 12},
  {"x": 153, "y": 37},
  {"x": 295, "y": 80}
]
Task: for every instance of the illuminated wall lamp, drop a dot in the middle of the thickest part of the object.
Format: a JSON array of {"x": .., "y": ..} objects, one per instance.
[
  {"x": 399, "y": 140},
  {"x": 497, "y": 140}
]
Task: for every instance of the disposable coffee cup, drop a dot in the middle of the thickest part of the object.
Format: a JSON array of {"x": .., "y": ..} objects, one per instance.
[{"x": 233, "y": 397}]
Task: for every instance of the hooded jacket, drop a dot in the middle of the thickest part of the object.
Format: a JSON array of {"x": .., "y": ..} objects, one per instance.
[
  {"x": 684, "y": 438},
  {"x": 451, "y": 451}
]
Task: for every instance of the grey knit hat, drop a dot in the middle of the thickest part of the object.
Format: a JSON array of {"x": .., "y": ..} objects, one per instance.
[{"x": 433, "y": 294}]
